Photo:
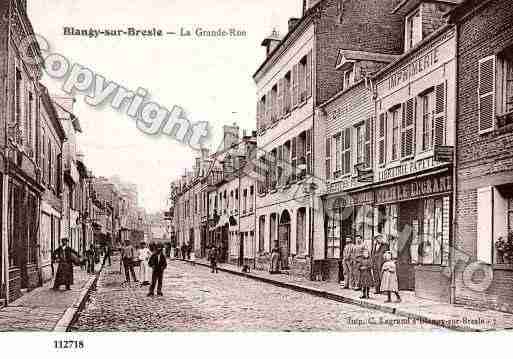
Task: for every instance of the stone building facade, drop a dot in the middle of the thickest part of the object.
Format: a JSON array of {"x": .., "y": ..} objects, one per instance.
[
  {"x": 484, "y": 159},
  {"x": 298, "y": 74}
]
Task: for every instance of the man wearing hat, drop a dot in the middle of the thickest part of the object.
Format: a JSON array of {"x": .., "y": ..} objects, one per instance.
[
  {"x": 347, "y": 262},
  {"x": 65, "y": 257},
  {"x": 158, "y": 263},
  {"x": 380, "y": 247}
]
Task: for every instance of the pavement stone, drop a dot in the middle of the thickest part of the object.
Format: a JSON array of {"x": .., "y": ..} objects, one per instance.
[
  {"x": 42, "y": 308},
  {"x": 461, "y": 318},
  {"x": 196, "y": 300}
]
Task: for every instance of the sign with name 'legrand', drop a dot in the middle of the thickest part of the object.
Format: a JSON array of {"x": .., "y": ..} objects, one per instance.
[
  {"x": 414, "y": 189},
  {"x": 414, "y": 68}
]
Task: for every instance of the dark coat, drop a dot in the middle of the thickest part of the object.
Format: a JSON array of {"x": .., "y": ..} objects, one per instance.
[
  {"x": 365, "y": 267},
  {"x": 378, "y": 259},
  {"x": 64, "y": 257},
  {"x": 213, "y": 255},
  {"x": 158, "y": 262}
]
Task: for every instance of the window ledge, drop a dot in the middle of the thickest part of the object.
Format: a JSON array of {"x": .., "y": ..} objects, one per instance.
[{"x": 504, "y": 267}]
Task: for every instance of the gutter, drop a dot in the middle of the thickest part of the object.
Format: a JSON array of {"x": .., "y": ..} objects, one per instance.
[{"x": 452, "y": 250}]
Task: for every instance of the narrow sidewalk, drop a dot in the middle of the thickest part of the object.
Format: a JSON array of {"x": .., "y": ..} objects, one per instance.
[
  {"x": 44, "y": 309},
  {"x": 460, "y": 318}
]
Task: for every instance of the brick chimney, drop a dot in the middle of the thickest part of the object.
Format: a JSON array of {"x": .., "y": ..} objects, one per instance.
[
  {"x": 293, "y": 21},
  {"x": 307, "y": 4},
  {"x": 230, "y": 136},
  {"x": 272, "y": 41}
]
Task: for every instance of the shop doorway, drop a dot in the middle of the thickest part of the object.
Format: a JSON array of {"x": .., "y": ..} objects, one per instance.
[
  {"x": 408, "y": 223},
  {"x": 284, "y": 239},
  {"x": 223, "y": 243},
  {"x": 241, "y": 249}
]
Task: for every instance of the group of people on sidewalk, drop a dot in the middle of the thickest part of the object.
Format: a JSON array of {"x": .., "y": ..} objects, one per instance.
[
  {"x": 66, "y": 257},
  {"x": 362, "y": 272},
  {"x": 151, "y": 261}
]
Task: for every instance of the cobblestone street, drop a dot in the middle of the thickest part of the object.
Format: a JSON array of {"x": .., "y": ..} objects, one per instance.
[{"x": 196, "y": 300}]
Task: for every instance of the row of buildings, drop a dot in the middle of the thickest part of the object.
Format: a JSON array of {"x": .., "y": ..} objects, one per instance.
[
  {"x": 391, "y": 117},
  {"x": 47, "y": 191}
]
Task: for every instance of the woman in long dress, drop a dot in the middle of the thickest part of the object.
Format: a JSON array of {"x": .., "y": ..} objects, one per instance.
[
  {"x": 65, "y": 257},
  {"x": 145, "y": 270},
  {"x": 389, "y": 282},
  {"x": 275, "y": 261}
]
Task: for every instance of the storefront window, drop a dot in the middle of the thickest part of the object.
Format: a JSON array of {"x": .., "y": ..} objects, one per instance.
[
  {"x": 504, "y": 243},
  {"x": 430, "y": 248},
  {"x": 387, "y": 216},
  {"x": 333, "y": 232}
]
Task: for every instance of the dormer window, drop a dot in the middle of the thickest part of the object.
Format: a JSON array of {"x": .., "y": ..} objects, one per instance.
[
  {"x": 348, "y": 80},
  {"x": 413, "y": 27}
]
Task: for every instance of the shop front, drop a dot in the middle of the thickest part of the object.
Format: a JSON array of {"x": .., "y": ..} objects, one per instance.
[
  {"x": 348, "y": 216},
  {"x": 413, "y": 214}
]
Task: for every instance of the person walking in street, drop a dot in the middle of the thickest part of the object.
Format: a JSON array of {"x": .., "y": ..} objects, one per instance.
[
  {"x": 144, "y": 255},
  {"x": 128, "y": 257},
  {"x": 275, "y": 261},
  {"x": 380, "y": 247},
  {"x": 212, "y": 257},
  {"x": 184, "y": 251},
  {"x": 389, "y": 282},
  {"x": 357, "y": 256},
  {"x": 158, "y": 264},
  {"x": 91, "y": 256},
  {"x": 65, "y": 257},
  {"x": 365, "y": 270},
  {"x": 107, "y": 251},
  {"x": 348, "y": 263}
]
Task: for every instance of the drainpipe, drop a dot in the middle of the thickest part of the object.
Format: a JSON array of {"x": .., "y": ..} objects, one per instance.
[
  {"x": 5, "y": 180},
  {"x": 452, "y": 252}
]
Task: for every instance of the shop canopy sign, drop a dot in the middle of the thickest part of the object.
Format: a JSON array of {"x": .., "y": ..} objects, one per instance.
[
  {"x": 414, "y": 189},
  {"x": 415, "y": 166}
]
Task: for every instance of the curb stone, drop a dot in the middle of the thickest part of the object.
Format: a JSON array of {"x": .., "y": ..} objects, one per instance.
[
  {"x": 339, "y": 298},
  {"x": 71, "y": 314}
]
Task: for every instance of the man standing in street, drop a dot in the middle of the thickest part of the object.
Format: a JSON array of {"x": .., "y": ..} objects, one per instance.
[
  {"x": 212, "y": 257},
  {"x": 348, "y": 262},
  {"x": 128, "y": 257},
  {"x": 107, "y": 252},
  {"x": 380, "y": 248},
  {"x": 357, "y": 256},
  {"x": 158, "y": 264}
]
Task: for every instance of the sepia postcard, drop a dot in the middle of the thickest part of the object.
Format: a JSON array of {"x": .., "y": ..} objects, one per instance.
[{"x": 256, "y": 166}]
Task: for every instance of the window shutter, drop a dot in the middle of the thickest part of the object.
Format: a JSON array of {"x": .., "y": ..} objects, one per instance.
[
  {"x": 347, "y": 153},
  {"x": 294, "y": 158},
  {"x": 279, "y": 109},
  {"x": 440, "y": 115},
  {"x": 328, "y": 158},
  {"x": 381, "y": 138},
  {"x": 294, "y": 85},
  {"x": 286, "y": 94},
  {"x": 309, "y": 163},
  {"x": 486, "y": 94},
  {"x": 279, "y": 165},
  {"x": 43, "y": 156},
  {"x": 368, "y": 136},
  {"x": 309, "y": 74},
  {"x": 59, "y": 173},
  {"x": 259, "y": 124},
  {"x": 408, "y": 129}
]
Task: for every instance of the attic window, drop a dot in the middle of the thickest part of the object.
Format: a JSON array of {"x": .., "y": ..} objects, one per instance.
[
  {"x": 413, "y": 28},
  {"x": 348, "y": 78}
]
